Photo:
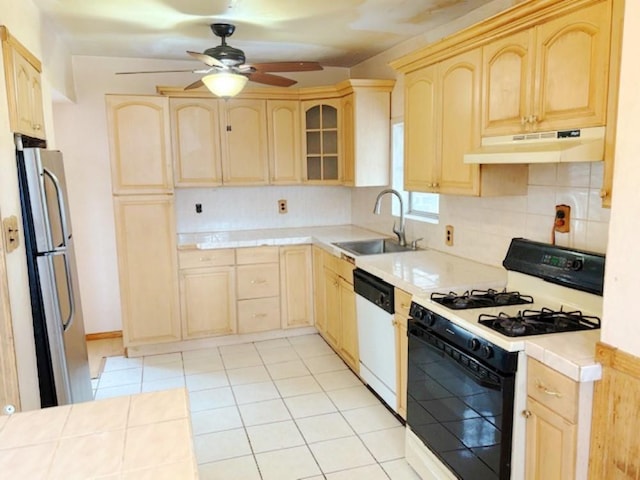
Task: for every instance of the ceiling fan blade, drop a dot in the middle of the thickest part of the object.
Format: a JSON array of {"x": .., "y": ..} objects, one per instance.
[
  {"x": 287, "y": 66},
  {"x": 153, "y": 71},
  {"x": 207, "y": 59},
  {"x": 194, "y": 85},
  {"x": 268, "y": 79}
]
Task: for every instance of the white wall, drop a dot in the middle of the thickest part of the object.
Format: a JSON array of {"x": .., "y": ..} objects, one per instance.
[{"x": 621, "y": 323}]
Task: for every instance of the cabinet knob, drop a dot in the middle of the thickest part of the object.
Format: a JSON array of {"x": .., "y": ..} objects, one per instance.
[
  {"x": 37, "y": 127},
  {"x": 258, "y": 281},
  {"x": 603, "y": 193},
  {"x": 259, "y": 315},
  {"x": 205, "y": 259},
  {"x": 526, "y": 413},
  {"x": 523, "y": 121}
]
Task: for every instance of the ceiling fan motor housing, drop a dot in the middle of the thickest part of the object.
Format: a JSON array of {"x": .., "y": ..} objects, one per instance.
[{"x": 227, "y": 54}]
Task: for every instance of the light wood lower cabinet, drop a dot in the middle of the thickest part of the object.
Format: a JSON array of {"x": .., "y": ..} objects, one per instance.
[
  {"x": 296, "y": 286},
  {"x": 335, "y": 305},
  {"x": 552, "y": 424},
  {"x": 208, "y": 301},
  {"x": 148, "y": 271},
  {"x": 402, "y": 303}
]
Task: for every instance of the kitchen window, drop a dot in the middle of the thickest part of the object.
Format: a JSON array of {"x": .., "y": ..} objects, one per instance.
[{"x": 419, "y": 206}]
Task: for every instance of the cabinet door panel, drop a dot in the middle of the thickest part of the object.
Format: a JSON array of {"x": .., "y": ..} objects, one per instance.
[
  {"x": 244, "y": 145},
  {"x": 508, "y": 81},
  {"x": 319, "y": 308},
  {"x": 285, "y": 150},
  {"x": 348, "y": 325},
  {"x": 147, "y": 269},
  {"x": 459, "y": 122},
  {"x": 196, "y": 142},
  {"x": 331, "y": 289},
  {"x": 208, "y": 302},
  {"x": 295, "y": 286},
  {"x": 551, "y": 445},
  {"x": 420, "y": 133},
  {"x": 572, "y": 69},
  {"x": 139, "y": 141}
]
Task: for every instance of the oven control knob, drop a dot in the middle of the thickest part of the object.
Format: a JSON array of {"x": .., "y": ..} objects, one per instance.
[
  {"x": 474, "y": 344},
  {"x": 486, "y": 351},
  {"x": 429, "y": 318}
]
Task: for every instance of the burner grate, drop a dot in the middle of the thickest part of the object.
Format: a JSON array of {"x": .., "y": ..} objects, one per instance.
[
  {"x": 536, "y": 322},
  {"x": 480, "y": 299}
]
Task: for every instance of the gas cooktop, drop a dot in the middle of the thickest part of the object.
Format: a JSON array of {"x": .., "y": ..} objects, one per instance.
[
  {"x": 480, "y": 299},
  {"x": 536, "y": 322}
]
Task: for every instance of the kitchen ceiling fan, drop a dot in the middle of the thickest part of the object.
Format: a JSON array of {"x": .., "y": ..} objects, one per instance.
[{"x": 226, "y": 72}]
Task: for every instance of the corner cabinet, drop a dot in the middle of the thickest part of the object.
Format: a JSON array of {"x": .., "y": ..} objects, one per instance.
[
  {"x": 146, "y": 241},
  {"x": 24, "y": 87},
  {"x": 139, "y": 144},
  {"x": 522, "y": 87}
]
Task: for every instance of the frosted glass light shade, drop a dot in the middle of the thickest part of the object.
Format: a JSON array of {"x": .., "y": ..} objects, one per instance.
[{"x": 225, "y": 84}]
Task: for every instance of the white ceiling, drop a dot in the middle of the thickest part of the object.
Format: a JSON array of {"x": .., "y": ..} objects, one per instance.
[{"x": 339, "y": 33}]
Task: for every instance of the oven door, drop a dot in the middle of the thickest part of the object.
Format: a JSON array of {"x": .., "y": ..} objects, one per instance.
[{"x": 461, "y": 409}]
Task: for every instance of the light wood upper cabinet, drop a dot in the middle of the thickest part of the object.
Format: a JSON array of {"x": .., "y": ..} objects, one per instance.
[
  {"x": 459, "y": 123},
  {"x": 442, "y": 123},
  {"x": 549, "y": 77},
  {"x": 420, "y": 130},
  {"x": 139, "y": 144},
  {"x": 148, "y": 271},
  {"x": 366, "y": 114},
  {"x": 24, "y": 87},
  {"x": 296, "y": 286},
  {"x": 195, "y": 134},
  {"x": 284, "y": 134},
  {"x": 243, "y": 129},
  {"x": 321, "y": 141}
]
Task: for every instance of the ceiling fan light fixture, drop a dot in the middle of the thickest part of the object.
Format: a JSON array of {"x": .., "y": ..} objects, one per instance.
[{"x": 225, "y": 84}]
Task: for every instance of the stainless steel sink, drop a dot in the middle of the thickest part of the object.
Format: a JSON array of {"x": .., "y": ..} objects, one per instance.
[{"x": 373, "y": 247}]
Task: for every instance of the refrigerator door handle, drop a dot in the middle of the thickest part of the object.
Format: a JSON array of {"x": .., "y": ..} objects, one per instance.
[
  {"x": 62, "y": 208},
  {"x": 66, "y": 323}
]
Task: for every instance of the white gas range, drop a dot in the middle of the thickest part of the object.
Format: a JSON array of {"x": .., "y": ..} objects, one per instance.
[{"x": 467, "y": 367}]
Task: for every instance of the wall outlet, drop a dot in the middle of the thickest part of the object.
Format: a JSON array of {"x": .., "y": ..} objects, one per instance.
[
  {"x": 448, "y": 235},
  {"x": 198, "y": 208},
  {"x": 562, "y": 222},
  {"x": 282, "y": 206}
]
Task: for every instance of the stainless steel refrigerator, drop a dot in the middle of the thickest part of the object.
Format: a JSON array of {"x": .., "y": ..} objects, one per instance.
[{"x": 61, "y": 350}]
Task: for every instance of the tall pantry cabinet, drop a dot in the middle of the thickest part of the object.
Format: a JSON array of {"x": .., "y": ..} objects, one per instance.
[{"x": 142, "y": 186}]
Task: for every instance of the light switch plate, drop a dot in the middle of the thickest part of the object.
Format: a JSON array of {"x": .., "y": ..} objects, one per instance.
[{"x": 11, "y": 237}]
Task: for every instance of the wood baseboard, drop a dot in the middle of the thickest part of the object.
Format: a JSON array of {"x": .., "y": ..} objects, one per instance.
[
  {"x": 615, "y": 442},
  {"x": 103, "y": 335}
]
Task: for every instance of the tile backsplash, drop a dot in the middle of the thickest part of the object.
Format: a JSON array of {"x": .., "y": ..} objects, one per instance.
[
  {"x": 483, "y": 227},
  {"x": 254, "y": 208}
]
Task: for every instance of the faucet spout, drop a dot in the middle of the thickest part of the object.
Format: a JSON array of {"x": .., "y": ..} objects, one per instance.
[{"x": 376, "y": 210}]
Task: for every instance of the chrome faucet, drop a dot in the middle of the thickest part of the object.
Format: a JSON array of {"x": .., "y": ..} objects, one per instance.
[{"x": 398, "y": 231}]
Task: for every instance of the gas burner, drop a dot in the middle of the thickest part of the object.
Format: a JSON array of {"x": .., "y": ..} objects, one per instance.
[
  {"x": 536, "y": 322},
  {"x": 480, "y": 299}
]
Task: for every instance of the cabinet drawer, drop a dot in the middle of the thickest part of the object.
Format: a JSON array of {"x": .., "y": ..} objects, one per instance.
[
  {"x": 345, "y": 270},
  {"x": 246, "y": 256},
  {"x": 553, "y": 390},
  {"x": 330, "y": 261},
  {"x": 257, "y": 281},
  {"x": 206, "y": 258},
  {"x": 258, "y": 315},
  {"x": 402, "y": 302}
]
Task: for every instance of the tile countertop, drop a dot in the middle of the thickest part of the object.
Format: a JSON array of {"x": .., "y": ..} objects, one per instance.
[
  {"x": 419, "y": 273},
  {"x": 143, "y": 436}
]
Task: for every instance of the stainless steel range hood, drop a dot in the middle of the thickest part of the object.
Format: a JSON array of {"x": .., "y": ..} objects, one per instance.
[{"x": 584, "y": 145}]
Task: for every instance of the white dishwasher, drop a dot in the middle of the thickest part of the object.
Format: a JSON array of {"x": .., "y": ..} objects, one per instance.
[{"x": 376, "y": 334}]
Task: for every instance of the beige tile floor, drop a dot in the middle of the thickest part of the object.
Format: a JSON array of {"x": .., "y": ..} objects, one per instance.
[{"x": 283, "y": 409}]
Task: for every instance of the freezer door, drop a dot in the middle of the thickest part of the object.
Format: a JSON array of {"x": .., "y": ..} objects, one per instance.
[{"x": 48, "y": 198}]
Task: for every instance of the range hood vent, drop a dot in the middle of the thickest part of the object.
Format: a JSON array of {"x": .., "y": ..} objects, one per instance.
[{"x": 584, "y": 145}]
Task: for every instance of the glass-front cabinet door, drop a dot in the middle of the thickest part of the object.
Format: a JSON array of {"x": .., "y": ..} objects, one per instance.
[{"x": 322, "y": 146}]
